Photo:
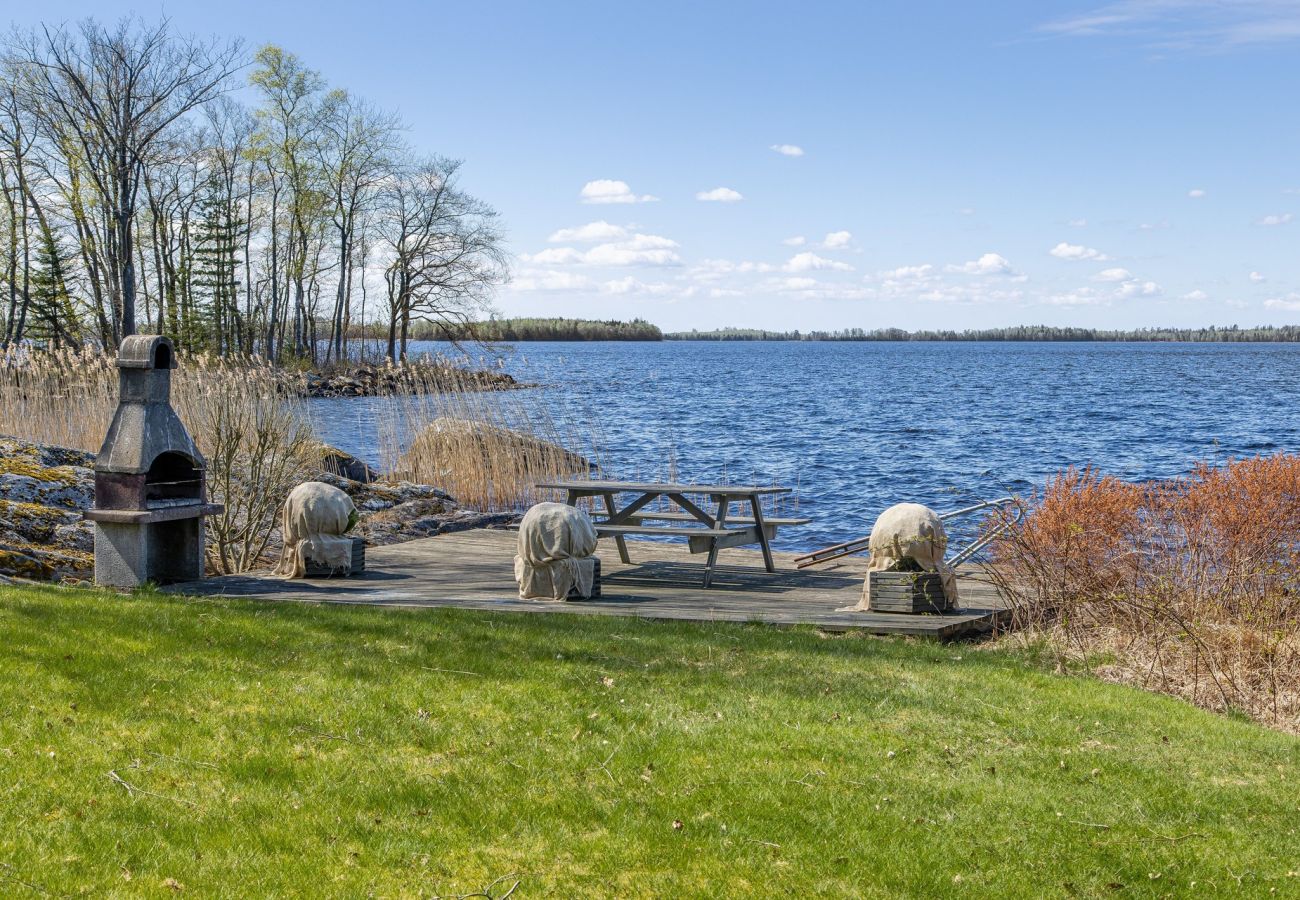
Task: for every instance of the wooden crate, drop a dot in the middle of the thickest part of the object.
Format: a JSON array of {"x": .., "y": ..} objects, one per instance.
[
  {"x": 316, "y": 570},
  {"x": 595, "y": 585},
  {"x": 908, "y": 592}
]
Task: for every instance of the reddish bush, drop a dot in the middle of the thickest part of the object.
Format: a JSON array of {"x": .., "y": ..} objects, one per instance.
[{"x": 1189, "y": 586}]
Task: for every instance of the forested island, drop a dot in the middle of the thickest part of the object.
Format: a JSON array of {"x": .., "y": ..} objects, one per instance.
[{"x": 543, "y": 329}]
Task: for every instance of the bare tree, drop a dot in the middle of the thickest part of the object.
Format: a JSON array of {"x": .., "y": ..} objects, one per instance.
[
  {"x": 116, "y": 92},
  {"x": 445, "y": 252}
]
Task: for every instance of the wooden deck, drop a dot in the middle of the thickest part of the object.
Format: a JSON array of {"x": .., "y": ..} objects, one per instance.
[{"x": 474, "y": 570}]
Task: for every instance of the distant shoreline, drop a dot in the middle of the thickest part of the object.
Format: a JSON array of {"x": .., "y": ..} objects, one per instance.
[{"x": 518, "y": 331}]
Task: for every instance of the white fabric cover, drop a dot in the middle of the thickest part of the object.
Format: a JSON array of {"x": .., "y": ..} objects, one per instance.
[
  {"x": 907, "y": 531},
  {"x": 316, "y": 516},
  {"x": 556, "y": 542}
]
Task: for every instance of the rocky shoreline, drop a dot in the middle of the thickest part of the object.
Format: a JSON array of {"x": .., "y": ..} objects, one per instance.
[
  {"x": 45, "y": 492},
  {"x": 408, "y": 378}
]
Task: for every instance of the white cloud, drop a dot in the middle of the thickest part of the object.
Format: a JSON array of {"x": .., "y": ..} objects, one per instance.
[
  {"x": 1183, "y": 25},
  {"x": 553, "y": 256},
  {"x": 1277, "y": 219},
  {"x": 605, "y": 190},
  {"x": 1153, "y": 226},
  {"x": 1256, "y": 277},
  {"x": 799, "y": 284},
  {"x": 1113, "y": 275},
  {"x": 720, "y": 195},
  {"x": 988, "y": 264},
  {"x": 1290, "y": 303},
  {"x": 638, "y": 250},
  {"x": 1137, "y": 288},
  {"x": 550, "y": 280},
  {"x": 904, "y": 273},
  {"x": 1084, "y": 296},
  {"x": 1077, "y": 223},
  {"x": 837, "y": 240},
  {"x": 592, "y": 231},
  {"x": 630, "y": 285},
  {"x": 809, "y": 261},
  {"x": 1077, "y": 252},
  {"x": 1196, "y": 193},
  {"x": 788, "y": 149},
  {"x": 797, "y": 241},
  {"x": 1197, "y": 294}
]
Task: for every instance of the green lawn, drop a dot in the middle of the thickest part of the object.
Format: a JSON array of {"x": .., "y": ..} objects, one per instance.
[{"x": 153, "y": 745}]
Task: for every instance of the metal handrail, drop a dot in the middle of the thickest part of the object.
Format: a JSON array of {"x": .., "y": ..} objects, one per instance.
[{"x": 860, "y": 545}]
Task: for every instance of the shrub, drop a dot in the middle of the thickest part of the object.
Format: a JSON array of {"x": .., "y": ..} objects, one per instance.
[{"x": 1189, "y": 586}]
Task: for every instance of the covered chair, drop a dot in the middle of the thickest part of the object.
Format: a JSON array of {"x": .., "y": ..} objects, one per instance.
[
  {"x": 556, "y": 543},
  {"x": 316, "y": 518},
  {"x": 908, "y": 536}
]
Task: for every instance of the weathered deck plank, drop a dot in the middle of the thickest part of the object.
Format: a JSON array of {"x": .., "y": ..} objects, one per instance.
[{"x": 473, "y": 570}]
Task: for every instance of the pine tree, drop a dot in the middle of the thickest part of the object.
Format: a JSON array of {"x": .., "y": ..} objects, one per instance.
[
  {"x": 52, "y": 316},
  {"x": 213, "y": 276}
]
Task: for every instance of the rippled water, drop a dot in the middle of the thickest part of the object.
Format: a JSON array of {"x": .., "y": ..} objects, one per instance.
[{"x": 857, "y": 427}]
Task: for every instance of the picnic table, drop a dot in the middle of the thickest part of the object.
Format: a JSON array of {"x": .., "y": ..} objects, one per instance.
[{"x": 706, "y": 531}]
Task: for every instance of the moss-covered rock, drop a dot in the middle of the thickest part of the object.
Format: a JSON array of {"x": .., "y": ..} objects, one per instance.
[{"x": 44, "y": 494}]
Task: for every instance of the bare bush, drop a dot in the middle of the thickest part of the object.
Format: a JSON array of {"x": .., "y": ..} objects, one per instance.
[{"x": 1189, "y": 586}]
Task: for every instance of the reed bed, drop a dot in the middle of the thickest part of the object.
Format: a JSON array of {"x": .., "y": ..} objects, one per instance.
[
  {"x": 487, "y": 449},
  {"x": 1189, "y": 587}
]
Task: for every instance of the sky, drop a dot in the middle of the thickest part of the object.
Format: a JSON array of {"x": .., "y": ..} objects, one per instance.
[{"x": 840, "y": 165}]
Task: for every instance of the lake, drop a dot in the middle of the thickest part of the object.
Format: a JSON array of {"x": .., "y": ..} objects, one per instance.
[{"x": 856, "y": 427}]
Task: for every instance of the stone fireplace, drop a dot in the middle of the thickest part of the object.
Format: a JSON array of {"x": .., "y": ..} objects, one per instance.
[{"x": 150, "y": 490}]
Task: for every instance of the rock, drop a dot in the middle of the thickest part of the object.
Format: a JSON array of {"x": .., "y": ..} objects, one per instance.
[
  {"x": 44, "y": 493},
  {"x": 336, "y": 462}
]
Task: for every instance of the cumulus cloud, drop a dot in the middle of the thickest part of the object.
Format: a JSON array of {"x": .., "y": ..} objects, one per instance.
[
  {"x": 797, "y": 241},
  {"x": 1065, "y": 250},
  {"x": 630, "y": 285},
  {"x": 788, "y": 149},
  {"x": 591, "y": 232},
  {"x": 1276, "y": 219},
  {"x": 1256, "y": 277},
  {"x": 550, "y": 280},
  {"x": 809, "y": 261},
  {"x": 638, "y": 250},
  {"x": 720, "y": 195},
  {"x": 1290, "y": 303},
  {"x": 1135, "y": 288},
  {"x": 988, "y": 264},
  {"x": 837, "y": 240},
  {"x": 1113, "y": 275},
  {"x": 904, "y": 273},
  {"x": 799, "y": 284},
  {"x": 1196, "y": 193},
  {"x": 606, "y": 190},
  {"x": 1197, "y": 294}
]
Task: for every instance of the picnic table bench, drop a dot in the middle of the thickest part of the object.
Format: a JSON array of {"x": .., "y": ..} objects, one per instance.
[{"x": 706, "y": 532}]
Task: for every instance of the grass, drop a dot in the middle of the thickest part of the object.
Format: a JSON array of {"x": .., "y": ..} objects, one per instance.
[{"x": 152, "y": 745}]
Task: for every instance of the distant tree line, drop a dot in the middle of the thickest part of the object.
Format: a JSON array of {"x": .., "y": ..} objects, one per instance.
[
  {"x": 1212, "y": 334},
  {"x": 534, "y": 329},
  {"x": 136, "y": 194}
]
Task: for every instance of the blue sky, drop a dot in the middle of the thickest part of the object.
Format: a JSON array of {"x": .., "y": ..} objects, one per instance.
[{"x": 959, "y": 165}]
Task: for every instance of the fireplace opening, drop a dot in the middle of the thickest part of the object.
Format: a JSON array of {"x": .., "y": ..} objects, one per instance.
[{"x": 173, "y": 479}]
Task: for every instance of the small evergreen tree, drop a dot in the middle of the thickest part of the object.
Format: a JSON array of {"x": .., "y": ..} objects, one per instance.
[{"x": 52, "y": 317}]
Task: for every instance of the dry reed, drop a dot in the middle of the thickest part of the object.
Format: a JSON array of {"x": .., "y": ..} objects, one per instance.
[
  {"x": 487, "y": 449},
  {"x": 1190, "y": 586}
]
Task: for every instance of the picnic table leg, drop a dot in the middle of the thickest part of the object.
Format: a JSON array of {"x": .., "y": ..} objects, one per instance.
[
  {"x": 757, "y": 504},
  {"x": 720, "y": 519},
  {"x": 618, "y": 539}
]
